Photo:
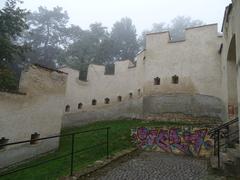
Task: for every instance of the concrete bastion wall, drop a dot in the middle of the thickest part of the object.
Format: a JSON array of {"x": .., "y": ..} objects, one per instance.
[
  {"x": 195, "y": 105},
  {"x": 186, "y": 107},
  {"x": 131, "y": 109}
]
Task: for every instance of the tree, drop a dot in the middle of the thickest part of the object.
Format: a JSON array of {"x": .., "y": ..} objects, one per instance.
[
  {"x": 73, "y": 34},
  {"x": 124, "y": 37},
  {"x": 47, "y": 35},
  {"x": 91, "y": 46},
  {"x": 98, "y": 46},
  {"x": 179, "y": 24},
  {"x": 102, "y": 43},
  {"x": 159, "y": 27},
  {"x": 12, "y": 24},
  {"x": 142, "y": 40},
  {"x": 81, "y": 52}
]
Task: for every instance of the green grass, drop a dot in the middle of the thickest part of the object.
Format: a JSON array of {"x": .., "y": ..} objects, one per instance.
[{"x": 119, "y": 139}]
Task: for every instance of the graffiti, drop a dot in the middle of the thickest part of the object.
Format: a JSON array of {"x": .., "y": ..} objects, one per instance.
[{"x": 195, "y": 142}]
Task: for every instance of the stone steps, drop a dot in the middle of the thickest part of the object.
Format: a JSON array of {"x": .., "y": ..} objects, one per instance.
[
  {"x": 229, "y": 161},
  {"x": 237, "y": 146},
  {"x": 214, "y": 160}
]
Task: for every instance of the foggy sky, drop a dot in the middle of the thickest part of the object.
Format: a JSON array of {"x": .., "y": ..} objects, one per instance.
[{"x": 143, "y": 12}]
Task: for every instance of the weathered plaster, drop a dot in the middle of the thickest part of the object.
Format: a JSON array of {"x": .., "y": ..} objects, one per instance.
[
  {"x": 40, "y": 110},
  {"x": 195, "y": 61},
  {"x": 231, "y": 56}
]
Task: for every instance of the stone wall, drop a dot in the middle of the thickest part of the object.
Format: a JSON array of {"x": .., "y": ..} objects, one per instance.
[
  {"x": 38, "y": 109},
  {"x": 126, "y": 82},
  {"x": 195, "y": 61},
  {"x": 99, "y": 86},
  {"x": 131, "y": 109},
  {"x": 195, "y": 105},
  {"x": 231, "y": 59}
]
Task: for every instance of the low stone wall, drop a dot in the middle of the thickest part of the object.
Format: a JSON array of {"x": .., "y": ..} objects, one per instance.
[
  {"x": 126, "y": 109},
  {"x": 186, "y": 104}
]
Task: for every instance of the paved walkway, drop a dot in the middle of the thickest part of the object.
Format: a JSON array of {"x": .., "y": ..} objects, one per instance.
[{"x": 155, "y": 166}]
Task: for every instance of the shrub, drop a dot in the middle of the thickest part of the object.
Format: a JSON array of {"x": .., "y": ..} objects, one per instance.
[{"x": 8, "y": 81}]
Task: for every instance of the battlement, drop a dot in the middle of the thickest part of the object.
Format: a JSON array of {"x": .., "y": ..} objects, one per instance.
[
  {"x": 193, "y": 34},
  {"x": 24, "y": 114},
  {"x": 95, "y": 71},
  {"x": 162, "y": 59},
  {"x": 37, "y": 79}
]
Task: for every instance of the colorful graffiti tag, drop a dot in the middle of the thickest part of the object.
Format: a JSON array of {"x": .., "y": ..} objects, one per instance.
[{"x": 194, "y": 142}]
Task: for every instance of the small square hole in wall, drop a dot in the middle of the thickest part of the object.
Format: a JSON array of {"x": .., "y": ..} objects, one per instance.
[
  {"x": 119, "y": 98},
  {"x": 94, "y": 102},
  {"x": 139, "y": 92},
  {"x": 175, "y": 79},
  {"x": 80, "y": 105},
  {"x": 156, "y": 81},
  {"x": 34, "y": 138},
  {"x": 130, "y": 95},
  {"x": 3, "y": 141},
  {"x": 67, "y": 108},
  {"x": 106, "y": 100}
]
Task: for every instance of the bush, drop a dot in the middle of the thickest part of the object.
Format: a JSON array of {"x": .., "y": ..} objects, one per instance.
[{"x": 8, "y": 81}]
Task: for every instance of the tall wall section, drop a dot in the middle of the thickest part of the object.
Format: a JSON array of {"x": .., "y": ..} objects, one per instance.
[
  {"x": 123, "y": 89},
  {"x": 231, "y": 59},
  {"x": 195, "y": 62},
  {"x": 37, "y": 109}
]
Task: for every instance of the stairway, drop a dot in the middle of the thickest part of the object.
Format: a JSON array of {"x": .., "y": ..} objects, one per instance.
[{"x": 226, "y": 148}]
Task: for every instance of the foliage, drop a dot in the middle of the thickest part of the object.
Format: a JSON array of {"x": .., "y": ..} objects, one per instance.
[
  {"x": 12, "y": 24},
  {"x": 98, "y": 46},
  {"x": 55, "y": 43},
  {"x": 90, "y": 47},
  {"x": 125, "y": 40},
  {"x": 47, "y": 35},
  {"x": 179, "y": 24},
  {"x": 8, "y": 81}
]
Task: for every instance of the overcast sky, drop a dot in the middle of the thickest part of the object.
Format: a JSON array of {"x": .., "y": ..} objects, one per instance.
[{"x": 143, "y": 12}]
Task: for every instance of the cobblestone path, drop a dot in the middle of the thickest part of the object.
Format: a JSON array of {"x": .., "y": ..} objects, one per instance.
[{"x": 155, "y": 166}]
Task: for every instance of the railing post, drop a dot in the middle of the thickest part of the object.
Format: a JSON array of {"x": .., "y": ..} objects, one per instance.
[
  {"x": 218, "y": 148},
  {"x": 72, "y": 155},
  {"x": 107, "y": 142},
  {"x": 227, "y": 138},
  {"x": 215, "y": 144}
]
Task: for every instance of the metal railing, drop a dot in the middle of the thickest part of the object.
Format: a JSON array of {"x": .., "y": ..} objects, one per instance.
[
  {"x": 224, "y": 135},
  {"x": 71, "y": 154}
]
